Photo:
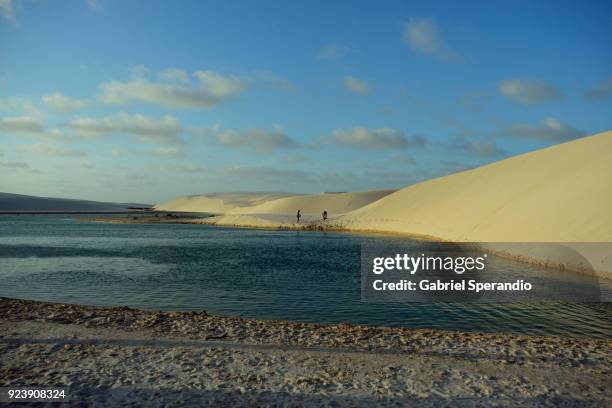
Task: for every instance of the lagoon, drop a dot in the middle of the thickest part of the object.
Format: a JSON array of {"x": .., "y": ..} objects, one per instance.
[{"x": 290, "y": 275}]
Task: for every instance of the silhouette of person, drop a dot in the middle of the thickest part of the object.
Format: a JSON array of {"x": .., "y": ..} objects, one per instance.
[
  {"x": 298, "y": 216},
  {"x": 324, "y": 215}
]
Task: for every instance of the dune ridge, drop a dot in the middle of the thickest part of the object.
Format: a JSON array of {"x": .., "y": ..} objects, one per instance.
[{"x": 26, "y": 203}]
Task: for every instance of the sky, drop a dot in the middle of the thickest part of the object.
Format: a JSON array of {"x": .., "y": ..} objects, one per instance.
[{"x": 134, "y": 101}]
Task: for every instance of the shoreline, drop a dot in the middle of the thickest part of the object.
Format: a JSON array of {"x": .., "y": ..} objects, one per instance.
[{"x": 107, "y": 354}]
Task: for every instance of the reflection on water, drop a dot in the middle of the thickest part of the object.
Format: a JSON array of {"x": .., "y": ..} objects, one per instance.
[{"x": 304, "y": 276}]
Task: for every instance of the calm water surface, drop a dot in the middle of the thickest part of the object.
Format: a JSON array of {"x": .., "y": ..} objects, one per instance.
[{"x": 301, "y": 276}]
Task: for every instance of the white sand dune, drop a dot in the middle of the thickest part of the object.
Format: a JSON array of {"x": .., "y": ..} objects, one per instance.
[
  {"x": 25, "y": 203},
  {"x": 218, "y": 203},
  {"x": 561, "y": 194},
  {"x": 558, "y": 194},
  {"x": 333, "y": 203}
]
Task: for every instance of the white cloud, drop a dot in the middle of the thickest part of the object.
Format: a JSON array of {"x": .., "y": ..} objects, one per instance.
[
  {"x": 600, "y": 91},
  {"x": 356, "y": 85},
  {"x": 164, "y": 130},
  {"x": 174, "y": 75},
  {"x": 190, "y": 168},
  {"x": 479, "y": 148},
  {"x": 550, "y": 129},
  {"x": 260, "y": 140},
  {"x": 27, "y": 126},
  {"x": 333, "y": 51},
  {"x": 94, "y": 4},
  {"x": 475, "y": 101},
  {"x": 20, "y": 105},
  {"x": 62, "y": 103},
  {"x": 84, "y": 164},
  {"x": 381, "y": 138},
  {"x": 15, "y": 165},
  {"x": 118, "y": 153},
  {"x": 21, "y": 125},
  {"x": 212, "y": 88},
  {"x": 529, "y": 92},
  {"x": 269, "y": 174},
  {"x": 403, "y": 158},
  {"x": 423, "y": 36},
  {"x": 168, "y": 152},
  {"x": 50, "y": 150},
  {"x": 7, "y": 10}
]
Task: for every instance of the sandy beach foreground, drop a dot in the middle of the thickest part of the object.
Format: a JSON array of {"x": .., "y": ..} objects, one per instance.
[{"x": 112, "y": 355}]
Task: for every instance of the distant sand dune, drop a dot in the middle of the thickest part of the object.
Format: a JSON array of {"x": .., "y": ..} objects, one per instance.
[
  {"x": 218, "y": 203},
  {"x": 333, "y": 203},
  {"x": 26, "y": 203}
]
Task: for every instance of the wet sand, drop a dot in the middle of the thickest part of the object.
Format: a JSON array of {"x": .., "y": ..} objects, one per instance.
[{"x": 121, "y": 355}]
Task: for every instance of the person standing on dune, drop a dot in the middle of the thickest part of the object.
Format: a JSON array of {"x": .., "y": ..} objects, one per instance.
[
  {"x": 324, "y": 215},
  {"x": 298, "y": 216}
]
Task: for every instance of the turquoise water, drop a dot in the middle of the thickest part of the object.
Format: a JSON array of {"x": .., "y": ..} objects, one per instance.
[{"x": 300, "y": 276}]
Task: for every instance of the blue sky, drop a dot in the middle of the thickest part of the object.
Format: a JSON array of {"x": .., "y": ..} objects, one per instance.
[{"x": 143, "y": 101}]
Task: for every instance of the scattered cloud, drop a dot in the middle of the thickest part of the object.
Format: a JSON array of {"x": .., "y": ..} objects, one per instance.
[
  {"x": 379, "y": 139},
  {"x": 356, "y": 85},
  {"x": 7, "y": 10},
  {"x": 453, "y": 166},
  {"x": 168, "y": 152},
  {"x": 333, "y": 51},
  {"x": 295, "y": 158},
  {"x": 270, "y": 175},
  {"x": 475, "y": 101},
  {"x": 19, "y": 105},
  {"x": 28, "y": 126},
  {"x": 260, "y": 140},
  {"x": 529, "y": 92},
  {"x": 118, "y": 153},
  {"x": 164, "y": 130},
  {"x": 485, "y": 148},
  {"x": 211, "y": 89},
  {"x": 15, "y": 165},
  {"x": 50, "y": 150},
  {"x": 94, "y": 4},
  {"x": 84, "y": 164},
  {"x": 600, "y": 91},
  {"x": 403, "y": 158},
  {"x": 423, "y": 36},
  {"x": 62, "y": 103},
  {"x": 389, "y": 111},
  {"x": 273, "y": 81},
  {"x": 21, "y": 125},
  {"x": 174, "y": 75},
  {"x": 550, "y": 129},
  {"x": 190, "y": 168}
]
